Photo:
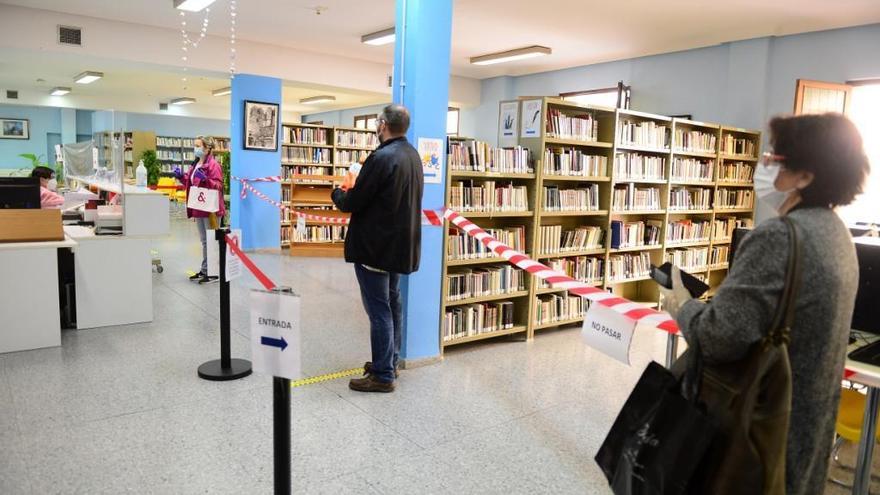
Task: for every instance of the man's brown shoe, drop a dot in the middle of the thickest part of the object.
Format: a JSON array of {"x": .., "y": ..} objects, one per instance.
[
  {"x": 370, "y": 384},
  {"x": 368, "y": 368}
]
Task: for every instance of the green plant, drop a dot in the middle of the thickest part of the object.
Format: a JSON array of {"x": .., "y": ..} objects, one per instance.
[
  {"x": 151, "y": 163},
  {"x": 34, "y": 159},
  {"x": 224, "y": 158}
]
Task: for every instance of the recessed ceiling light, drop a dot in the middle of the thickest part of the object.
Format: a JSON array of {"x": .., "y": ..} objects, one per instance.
[
  {"x": 192, "y": 5},
  {"x": 59, "y": 91},
  {"x": 317, "y": 99},
  {"x": 88, "y": 77},
  {"x": 379, "y": 38},
  {"x": 511, "y": 55},
  {"x": 222, "y": 91},
  {"x": 183, "y": 101}
]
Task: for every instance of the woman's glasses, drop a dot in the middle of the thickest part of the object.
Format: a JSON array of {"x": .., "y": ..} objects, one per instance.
[{"x": 770, "y": 159}]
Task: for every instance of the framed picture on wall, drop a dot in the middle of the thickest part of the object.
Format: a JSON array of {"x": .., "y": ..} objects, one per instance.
[
  {"x": 260, "y": 126},
  {"x": 15, "y": 129}
]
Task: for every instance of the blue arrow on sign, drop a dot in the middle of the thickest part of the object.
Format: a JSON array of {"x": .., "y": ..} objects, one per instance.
[{"x": 279, "y": 343}]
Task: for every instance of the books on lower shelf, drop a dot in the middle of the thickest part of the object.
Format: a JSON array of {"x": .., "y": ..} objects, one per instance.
[
  {"x": 634, "y": 166},
  {"x": 581, "y": 199},
  {"x": 690, "y": 140},
  {"x": 477, "y": 156},
  {"x": 488, "y": 196},
  {"x": 648, "y": 134},
  {"x": 559, "y": 307},
  {"x": 307, "y": 135},
  {"x": 723, "y": 226},
  {"x": 692, "y": 169},
  {"x": 623, "y": 267},
  {"x": 736, "y": 172},
  {"x": 289, "y": 172},
  {"x": 635, "y": 234},
  {"x": 476, "y": 319},
  {"x": 484, "y": 281},
  {"x": 734, "y": 198},
  {"x": 356, "y": 139},
  {"x": 461, "y": 246},
  {"x": 719, "y": 255},
  {"x": 292, "y": 154},
  {"x": 321, "y": 233},
  {"x": 347, "y": 157},
  {"x": 581, "y": 127},
  {"x": 690, "y": 198},
  {"x": 572, "y": 162},
  {"x": 681, "y": 231},
  {"x": 555, "y": 240},
  {"x": 695, "y": 258},
  {"x": 285, "y": 195},
  {"x": 587, "y": 269},
  {"x": 629, "y": 197}
]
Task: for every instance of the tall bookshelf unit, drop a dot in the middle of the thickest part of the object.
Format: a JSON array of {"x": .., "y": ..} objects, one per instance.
[
  {"x": 174, "y": 152},
  {"x": 314, "y": 158},
  {"x": 603, "y": 169},
  {"x": 136, "y": 142}
]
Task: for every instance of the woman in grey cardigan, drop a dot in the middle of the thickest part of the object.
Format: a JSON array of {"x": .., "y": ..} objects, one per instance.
[{"x": 821, "y": 164}]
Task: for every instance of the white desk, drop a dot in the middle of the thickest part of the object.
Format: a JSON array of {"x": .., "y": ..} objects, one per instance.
[{"x": 869, "y": 376}]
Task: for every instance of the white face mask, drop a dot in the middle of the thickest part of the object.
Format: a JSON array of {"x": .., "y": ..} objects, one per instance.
[
  {"x": 52, "y": 185},
  {"x": 765, "y": 188}
]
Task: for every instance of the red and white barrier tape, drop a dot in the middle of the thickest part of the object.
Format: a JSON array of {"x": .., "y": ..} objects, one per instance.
[{"x": 264, "y": 280}]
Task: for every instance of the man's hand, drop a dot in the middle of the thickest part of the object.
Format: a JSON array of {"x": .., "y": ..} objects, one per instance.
[{"x": 348, "y": 181}]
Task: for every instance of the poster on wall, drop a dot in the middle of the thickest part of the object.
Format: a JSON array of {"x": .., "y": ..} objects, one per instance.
[
  {"x": 531, "y": 119},
  {"x": 507, "y": 123},
  {"x": 431, "y": 151},
  {"x": 15, "y": 129},
  {"x": 260, "y": 126}
]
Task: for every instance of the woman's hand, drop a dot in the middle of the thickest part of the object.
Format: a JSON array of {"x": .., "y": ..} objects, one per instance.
[
  {"x": 675, "y": 298},
  {"x": 200, "y": 175}
]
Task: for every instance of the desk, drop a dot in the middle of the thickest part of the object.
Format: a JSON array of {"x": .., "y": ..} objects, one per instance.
[{"x": 869, "y": 376}]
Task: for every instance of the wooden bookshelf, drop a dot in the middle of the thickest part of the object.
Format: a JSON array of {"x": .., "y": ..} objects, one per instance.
[{"x": 135, "y": 143}]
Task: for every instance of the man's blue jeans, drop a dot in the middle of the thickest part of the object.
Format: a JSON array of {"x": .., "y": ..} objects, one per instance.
[{"x": 380, "y": 293}]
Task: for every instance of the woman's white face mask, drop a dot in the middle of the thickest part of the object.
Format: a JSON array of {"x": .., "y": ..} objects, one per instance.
[{"x": 52, "y": 185}]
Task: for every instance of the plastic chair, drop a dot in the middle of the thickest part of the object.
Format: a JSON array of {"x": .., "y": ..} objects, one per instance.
[{"x": 850, "y": 414}]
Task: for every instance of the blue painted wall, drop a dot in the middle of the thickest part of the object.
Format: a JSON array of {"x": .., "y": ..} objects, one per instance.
[
  {"x": 84, "y": 122},
  {"x": 343, "y": 118},
  {"x": 43, "y": 121},
  {"x": 258, "y": 220}
]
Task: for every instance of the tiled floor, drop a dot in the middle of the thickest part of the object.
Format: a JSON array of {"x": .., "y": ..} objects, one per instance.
[{"x": 120, "y": 409}]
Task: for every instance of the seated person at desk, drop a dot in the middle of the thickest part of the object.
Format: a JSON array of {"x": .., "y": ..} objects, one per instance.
[{"x": 48, "y": 197}]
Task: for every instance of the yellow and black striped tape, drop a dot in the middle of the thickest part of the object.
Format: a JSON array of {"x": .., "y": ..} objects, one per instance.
[{"x": 327, "y": 377}]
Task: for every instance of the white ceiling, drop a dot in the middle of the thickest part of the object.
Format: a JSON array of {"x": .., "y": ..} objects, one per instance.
[{"x": 580, "y": 32}]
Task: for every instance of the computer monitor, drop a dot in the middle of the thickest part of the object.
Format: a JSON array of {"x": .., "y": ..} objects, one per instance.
[
  {"x": 866, "y": 314},
  {"x": 19, "y": 193}
]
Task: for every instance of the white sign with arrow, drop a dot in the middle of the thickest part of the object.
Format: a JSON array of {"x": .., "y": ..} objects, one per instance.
[{"x": 275, "y": 333}]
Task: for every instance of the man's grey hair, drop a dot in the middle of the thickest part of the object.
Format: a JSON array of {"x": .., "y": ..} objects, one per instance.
[{"x": 396, "y": 117}]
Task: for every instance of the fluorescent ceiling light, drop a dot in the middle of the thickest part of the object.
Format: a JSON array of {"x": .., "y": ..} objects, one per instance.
[
  {"x": 192, "y": 5},
  {"x": 382, "y": 37},
  {"x": 317, "y": 99},
  {"x": 511, "y": 55},
  {"x": 59, "y": 91},
  {"x": 183, "y": 101},
  {"x": 88, "y": 77},
  {"x": 222, "y": 91}
]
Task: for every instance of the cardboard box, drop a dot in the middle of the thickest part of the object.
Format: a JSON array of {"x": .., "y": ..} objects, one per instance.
[{"x": 30, "y": 225}]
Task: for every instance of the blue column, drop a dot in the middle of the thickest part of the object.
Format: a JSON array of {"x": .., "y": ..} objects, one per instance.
[
  {"x": 421, "y": 83},
  {"x": 259, "y": 221}
]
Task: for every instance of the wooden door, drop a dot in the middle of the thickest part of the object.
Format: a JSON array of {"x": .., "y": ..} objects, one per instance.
[{"x": 822, "y": 97}]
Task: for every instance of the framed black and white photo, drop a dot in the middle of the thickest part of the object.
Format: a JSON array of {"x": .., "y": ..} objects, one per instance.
[
  {"x": 260, "y": 126},
  {"x": 15, "y": 129}
]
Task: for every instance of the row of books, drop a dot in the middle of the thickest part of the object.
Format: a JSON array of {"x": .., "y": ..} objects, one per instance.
[
  {"x": 175, "y": 142},
  {"x": 695, "y": 258},
  {"x": 477, "y": 319},
  {"x": 724, "y": 226},
  {"x": 573, "y": 162},
  {"x": 634, "y": 166},
  {"x": 461, "y": 246},
  {"x": 732, "y": 145},
  {"x": 356, "y": 139},
  {"x": 719, "y": 255},
  {"x": 687, "y": 231},
  {"x": 286, "y": 234},
  {"x": 556, "y": 240},
  {"x": 692, "y": 169},
  {"x": 305, "y": 155},
  {"x": 647, "y": 133},
  {"x": 690, "y": 198},
  {"x": 583, "y": 127},
  {"x": 477, "y": 156},
  {"x": 686, "y": 140},
  {"x": 587, "y": 269},
  {"x": 623, "y": 267},
  {"x": 285, "y": 195},
  {"x": 631, "y": 198},
  {"x": 289, "y": 172},
  {"x": 635, "y": 234},
  {"x": 559, "y": 307},
  {"x": 488, "y": 197},
  {"x": 484, "y": 281},
  {"x": 173, "y": 156},
  {"x": 347, "y": 157},
  {"x": 736, "y": 172},
  {"x": 581, "y": 199},
  {"x": 734, "y": 198},
  {"x": 321, "y": 233},
  {"x": 307, "y": 135}
]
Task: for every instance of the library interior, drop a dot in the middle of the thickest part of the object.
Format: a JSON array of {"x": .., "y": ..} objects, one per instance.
[{"x": 439, "y": 246}]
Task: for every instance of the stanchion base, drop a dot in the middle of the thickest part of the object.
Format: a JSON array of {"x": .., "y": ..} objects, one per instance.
[{"x": 212, "y": 370}]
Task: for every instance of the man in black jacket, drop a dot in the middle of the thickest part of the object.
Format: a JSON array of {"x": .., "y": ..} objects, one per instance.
[{"x": 384, "y": 239}]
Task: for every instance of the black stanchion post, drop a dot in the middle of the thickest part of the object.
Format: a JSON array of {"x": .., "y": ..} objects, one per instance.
[
  {"x": 225, "y": 368},
  {"x": 281, "y": 431}
]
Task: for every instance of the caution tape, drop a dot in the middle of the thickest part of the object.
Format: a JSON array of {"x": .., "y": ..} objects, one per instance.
[
  {"x": 326, "y": 378},
  {"x": 254, "y": 269}
]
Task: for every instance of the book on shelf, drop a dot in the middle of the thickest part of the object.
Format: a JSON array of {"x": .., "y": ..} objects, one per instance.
[
  {"x": 736, "y": 172},
  {"x": 681, "y": 231},
  {"x": 356, "y": 139},
  {"x": 629, "y": 197},
  {"x": 635, "y": 166},
  {"x": 556, "y": 240},
  {"x": 552, "y": 308},
  {"x": 692, "y": 140},
  {"x": 307, "y": 135},
  {"x": 285, "y": 195},
  {"x": 635, "y": 234},
  {"x": 585, "y": 198},
  {"x": 477, "y": 156},
  {"x": 488, "y": 196},
  {"x": 347, "y": 157},
  {"x": 291, "y": 172},
  {"x": 723, "y": 227},
  {"x": 692, "y": 169},
  {"x": 727, "y": 198},
  {"x": 647, "y": 133},
  {"x": 572, "y": 162},
  {"x": 484, "y": 281},
  {"x": 732, "y": 145},
  {"x": 581, "y": 127},
  {"x": 286, "y": 234},
  {"x": 461, "y": 246},
  {"x": 690, "y": 198},
  {"x": 627, "y": 266},
  {"x": 321, "y": 234},
  {"x": 476, "y": 319},
  {"x": 719, "y": 255},
  {"x": 587, "y": 269},
  {"x": 694, "y": 258},
  {"x": 306, "y": 155}
]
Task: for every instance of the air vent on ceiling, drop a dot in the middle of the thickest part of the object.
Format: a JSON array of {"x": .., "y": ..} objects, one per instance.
[
  {"x": 68, "y": 35},
  {"x": 11, "y": 94},
  {"x": 163, "y": 106}
]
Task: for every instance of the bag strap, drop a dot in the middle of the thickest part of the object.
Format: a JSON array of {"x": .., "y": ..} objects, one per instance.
[{"x": 780, "y": 331}]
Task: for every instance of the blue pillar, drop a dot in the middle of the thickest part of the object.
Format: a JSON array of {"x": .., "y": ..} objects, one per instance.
[
  {"x": 421, "y": 83},
  {"x": 259, "y": 221}
]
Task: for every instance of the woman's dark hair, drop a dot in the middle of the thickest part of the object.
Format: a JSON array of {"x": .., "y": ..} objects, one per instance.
[
  {"x": 829, "y": 146},
  {"x": 43, "y": 172}
]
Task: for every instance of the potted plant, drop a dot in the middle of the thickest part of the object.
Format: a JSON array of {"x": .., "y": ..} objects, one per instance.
[{"x": 151, "y": 163}]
